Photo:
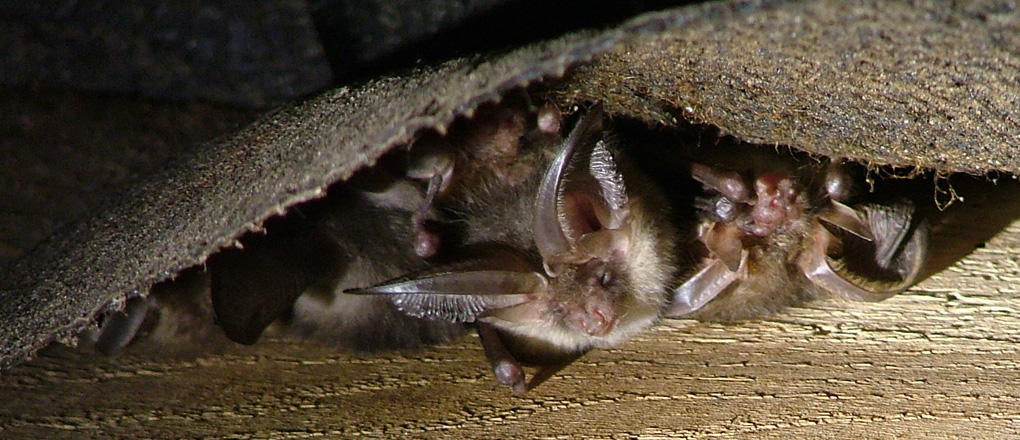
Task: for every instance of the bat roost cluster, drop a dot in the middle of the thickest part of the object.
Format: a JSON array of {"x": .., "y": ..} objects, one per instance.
[{"x": 548, "y": 241}]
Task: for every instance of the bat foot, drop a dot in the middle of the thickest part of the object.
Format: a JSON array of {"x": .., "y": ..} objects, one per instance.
[
  {"x": 426, "y": 243},
  {"x": 504, "y": 365},
  {"x": 510, "y": 374}
]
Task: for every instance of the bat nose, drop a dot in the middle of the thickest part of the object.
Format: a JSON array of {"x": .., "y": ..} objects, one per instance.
[{"x": 595, "y": 319}]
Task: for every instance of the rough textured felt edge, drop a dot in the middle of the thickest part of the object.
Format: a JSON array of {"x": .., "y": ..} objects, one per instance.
[
  {"x": 178, "y": 218},
  {"x": 931, "y": 84}
]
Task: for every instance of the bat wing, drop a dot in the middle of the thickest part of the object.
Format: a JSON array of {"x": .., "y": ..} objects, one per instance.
[
  {"x": 723, "y": 239},
  {"x": 120, "y": 328},
  {"x": 903, "y": 244},
  {"x": 254, "y": 286}
]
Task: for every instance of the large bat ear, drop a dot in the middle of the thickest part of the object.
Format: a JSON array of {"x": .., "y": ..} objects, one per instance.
[
  {"x": 870, "y": 270},
  {"x": 466, "y": 290},
  {"x": 706, "y": 285},
  {"x": 582, "y": 209},
  {"x": 120, "y": 328},
  {"x": 840, "y": 217}
]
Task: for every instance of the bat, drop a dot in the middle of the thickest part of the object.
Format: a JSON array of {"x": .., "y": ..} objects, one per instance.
[
  {"x": 775, "y": 232},
  {"x": 494, "y": 138},
  {"x": 577, "y": 256},
  {"x": 495, "y": 143},
  {"x": 173, "y": 315},
  {"x": 288, "y": 277}
]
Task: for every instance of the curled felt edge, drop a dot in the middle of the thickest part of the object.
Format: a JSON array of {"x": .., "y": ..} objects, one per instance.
[{"x": 179, "y": 217}]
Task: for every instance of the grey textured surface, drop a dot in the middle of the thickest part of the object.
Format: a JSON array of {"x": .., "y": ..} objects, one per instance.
[
  {"x": 936, "y": 362},
  {"x": 62, "y": 153},
  {"x": 927, "y": 83}
]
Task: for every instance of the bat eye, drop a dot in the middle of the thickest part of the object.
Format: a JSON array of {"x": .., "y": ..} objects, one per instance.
[{"x": 606, "y": 278}]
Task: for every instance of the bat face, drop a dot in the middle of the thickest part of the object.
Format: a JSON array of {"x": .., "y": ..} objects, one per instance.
[
  {"x": 777, "y": 233},
  {"x": 549, "y": 272}
]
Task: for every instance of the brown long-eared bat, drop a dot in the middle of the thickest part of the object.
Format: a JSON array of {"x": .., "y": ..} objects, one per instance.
[
  {"x": 579, "y": 256},
  {"x": 775, "y": 232},
  {"x": 289, "y": 279}
]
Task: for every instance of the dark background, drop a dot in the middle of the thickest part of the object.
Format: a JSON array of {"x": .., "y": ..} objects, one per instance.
[{"x": 256, "y": 54}]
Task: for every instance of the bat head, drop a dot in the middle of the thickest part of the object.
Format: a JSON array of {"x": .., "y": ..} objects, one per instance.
[
  {"x": 591, "y": 269},
  {"x": 600, "y": 253},
  {"x": 602, "y": 275}
]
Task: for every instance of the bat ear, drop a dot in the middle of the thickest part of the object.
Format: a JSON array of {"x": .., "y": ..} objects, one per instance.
[
  {"x": 870, "y": 270},
  {"x": 843, "y": 217},
  {"x": 466, "y": 290},
  {"x": 728, "y": 183},
  {"x": 121, "y": 328},
  {"x": 723, "y": 239},
  {"x": 704, "y": 286},
  {"x": 582, "y": 204}
]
